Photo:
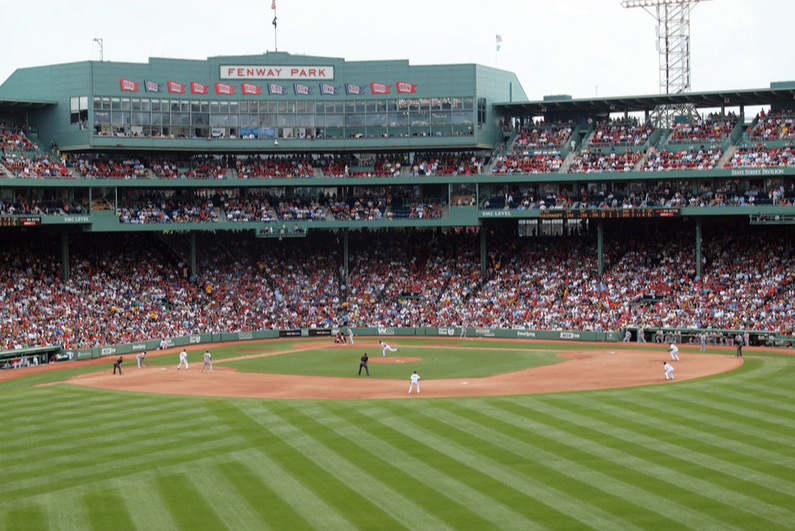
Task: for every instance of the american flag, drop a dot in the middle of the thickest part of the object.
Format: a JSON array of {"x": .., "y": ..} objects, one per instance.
[{"x": 273, "y": 5}]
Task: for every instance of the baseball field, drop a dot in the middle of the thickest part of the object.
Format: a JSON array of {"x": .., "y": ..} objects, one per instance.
[{"x": 505, "y": 435}]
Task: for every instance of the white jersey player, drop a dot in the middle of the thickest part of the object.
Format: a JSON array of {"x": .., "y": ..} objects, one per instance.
[
  {"x": 669, "y": 370},
  {"x": 674, "y": 350},
  {"x": 183, "y": 358},
  {"x": 415, "y": 381},
  {"x": 140, "y": 359},
  {"x": 386, "y": 347}
]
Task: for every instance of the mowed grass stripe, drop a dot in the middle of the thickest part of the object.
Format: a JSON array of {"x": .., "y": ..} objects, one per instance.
[
  {"x": 679, "y": 415},
  {"x": 65, "y": 513},
  {"x": 676, "y": 482},
  {"x": 50, "y": 424},
  {"x": 107, "y": 510},
  {"x": 262, "y": 499},
  {"x": 147, "y": 510},
  {"x": 74, "y": 442},
  {"x": 535, "y": 484},
  {"x": 224, "y": 499},
  {"x": 393, "y": 489},
  {"x": 759, "y": 436},
  {"x": 30, "y": 518},
  {"x": 30, "y": 466},
  {"x": 427, "y": 483},
  {"x": 382, "y": 506},
  {"x": 70, "y": 478},
  {"x": 252, "y": 422},
  {"x": 186, "y": 505},
  {"x": 303, "y": 501},
  {"x": 624, "y": 491},
  {"x": 648, "y": 431}
]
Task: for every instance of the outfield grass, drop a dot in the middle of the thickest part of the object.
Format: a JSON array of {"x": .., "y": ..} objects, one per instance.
[{"x": 710, "y": 454}]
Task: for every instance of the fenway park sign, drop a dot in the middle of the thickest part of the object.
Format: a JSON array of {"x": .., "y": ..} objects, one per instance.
[{"x": 276, "y": 72}]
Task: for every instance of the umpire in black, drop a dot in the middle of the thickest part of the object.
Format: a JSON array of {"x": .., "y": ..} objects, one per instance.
[
  {"x": 363, "y": 363},
  {"x": 117, "y": 365}
]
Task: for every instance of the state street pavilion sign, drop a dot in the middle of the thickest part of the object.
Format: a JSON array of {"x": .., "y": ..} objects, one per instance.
[{"x": 276, "y": 72}]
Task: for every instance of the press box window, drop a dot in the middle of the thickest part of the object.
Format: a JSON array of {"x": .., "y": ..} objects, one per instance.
[{"x": 78, "y": 107}]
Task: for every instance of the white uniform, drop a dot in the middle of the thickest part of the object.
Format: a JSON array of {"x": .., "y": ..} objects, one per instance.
[
  {"x": 669, "y": 370},
  {"x": 350, "y": 335},
  {"x": 463, "y": 331},
  {"x": 628, "y": 336},
  {"x": 163, "y": 344},
  {"x": 183, "y": 358},
  {"x": 140, "y": 358},
  {"x": 208, "y": 360},
  {"x": 674, "y": 352},
  {"x": 415, "y": 381},
  {"x": 387, "y": 347}
]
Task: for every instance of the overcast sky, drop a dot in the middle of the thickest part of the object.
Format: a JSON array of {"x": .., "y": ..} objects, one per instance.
[{"x": 583, "y": 48}]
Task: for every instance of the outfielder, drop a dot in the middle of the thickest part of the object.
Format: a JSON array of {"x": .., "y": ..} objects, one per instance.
[
  {"x": 669, "y": 370},
  {"x": 674, "y": 350},
  {"x": 208, "y": 360},
  {"x": 183, "y": 358},
  {"x": 415, "y": 381},
  {"x": 140, "y": 358},
  {"x": 387, "y": 347}
]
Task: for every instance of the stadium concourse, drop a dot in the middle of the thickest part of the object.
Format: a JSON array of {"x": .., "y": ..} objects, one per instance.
[{"x": 129, "y": 287}]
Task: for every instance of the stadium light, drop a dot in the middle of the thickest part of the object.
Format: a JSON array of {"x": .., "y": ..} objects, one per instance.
[{"x": 673, "y": 46}]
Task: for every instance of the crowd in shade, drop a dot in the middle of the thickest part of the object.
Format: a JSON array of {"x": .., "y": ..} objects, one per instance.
[{"x": 130, "y": 287}]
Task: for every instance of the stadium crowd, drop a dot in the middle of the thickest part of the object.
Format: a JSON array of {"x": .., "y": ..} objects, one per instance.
[{"x": 126, "y": 288}]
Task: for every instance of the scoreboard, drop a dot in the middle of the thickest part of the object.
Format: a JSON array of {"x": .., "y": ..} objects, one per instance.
[
  {"x": 19, "y": 221},
  {"x": 610, "y": 213}
]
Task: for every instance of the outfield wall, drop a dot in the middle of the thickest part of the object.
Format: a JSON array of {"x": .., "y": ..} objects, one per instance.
[{"x": 451, "y": 332}]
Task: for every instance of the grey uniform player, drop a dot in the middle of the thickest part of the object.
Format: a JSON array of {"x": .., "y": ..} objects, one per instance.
[
  {"x": 207, "y": 359},
  {"x": 350, "y": 336},
  {"x": 183, "y": 358},
  {"x": 415, "y": 382},
  {"x": 140, "y": 359}
]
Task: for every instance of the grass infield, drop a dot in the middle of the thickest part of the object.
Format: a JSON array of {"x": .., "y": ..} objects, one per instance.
[{"x": 708, "y": 454}]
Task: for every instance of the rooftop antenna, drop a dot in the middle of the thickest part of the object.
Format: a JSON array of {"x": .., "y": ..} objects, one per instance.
[
  {"x": 673, "y": 45},
  {"x": 101, "y": 49}
]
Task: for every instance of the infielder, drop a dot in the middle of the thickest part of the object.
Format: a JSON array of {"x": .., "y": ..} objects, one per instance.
[
  {"x": 117, "y": 365},
  {"x": 387, "y": 347},
  {"x": 208, "y": 360},
  {"x": 415, "y": 381},
  {"x": 183, "y": 358},
  {"x": 703, "y": 337},
  {"x": 140, "y": 358},
  {"x": 674, "y": 350},
  {"x": 669, "y": 370}
]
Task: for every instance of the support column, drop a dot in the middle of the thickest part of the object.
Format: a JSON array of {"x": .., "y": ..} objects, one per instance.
[
  {"x": 483, "y": 256},
  {"x": 193, "y": 255},
  {"x": 600, "y": 246},
  {"x": 65, "y": 257},
  {"x": 698, "y": 247},
  {"x": 345, "y": 251}
]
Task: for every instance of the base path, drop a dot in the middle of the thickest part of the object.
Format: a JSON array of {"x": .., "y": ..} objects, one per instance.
[{"x": 584, "y": 370}]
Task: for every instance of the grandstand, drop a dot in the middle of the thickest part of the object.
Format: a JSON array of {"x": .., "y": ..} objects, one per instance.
[{"x": 397, "y": 195}]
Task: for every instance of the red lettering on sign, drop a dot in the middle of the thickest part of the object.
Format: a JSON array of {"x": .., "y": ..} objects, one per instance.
[
  {"x": 230, "y": 71},
  {"x": 312, "y": 72},
  {"x": 240, "y": 72},
  {"x": 249, "y": 71},
  {"x": 294, "y": 71},
  {"x": 278, "y": 71},
  {"x": 321, "y": 72},
  {"x": 262, "y": 72}
]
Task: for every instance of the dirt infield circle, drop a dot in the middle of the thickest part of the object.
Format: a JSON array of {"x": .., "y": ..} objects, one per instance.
[{"x": 601, "y": 368}]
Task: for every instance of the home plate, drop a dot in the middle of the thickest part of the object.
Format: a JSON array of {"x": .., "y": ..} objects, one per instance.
[
  {"x": 162, "y": 368},
  {"x": 464, "y": 383}
]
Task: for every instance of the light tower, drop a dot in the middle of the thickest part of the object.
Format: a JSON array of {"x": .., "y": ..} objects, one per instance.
[{"x": 673, "y": 45}]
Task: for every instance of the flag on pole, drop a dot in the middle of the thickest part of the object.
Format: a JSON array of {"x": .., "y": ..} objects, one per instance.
[
  {"x": 273, "y": 5},
  {"x": 499, "y": 40}
]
